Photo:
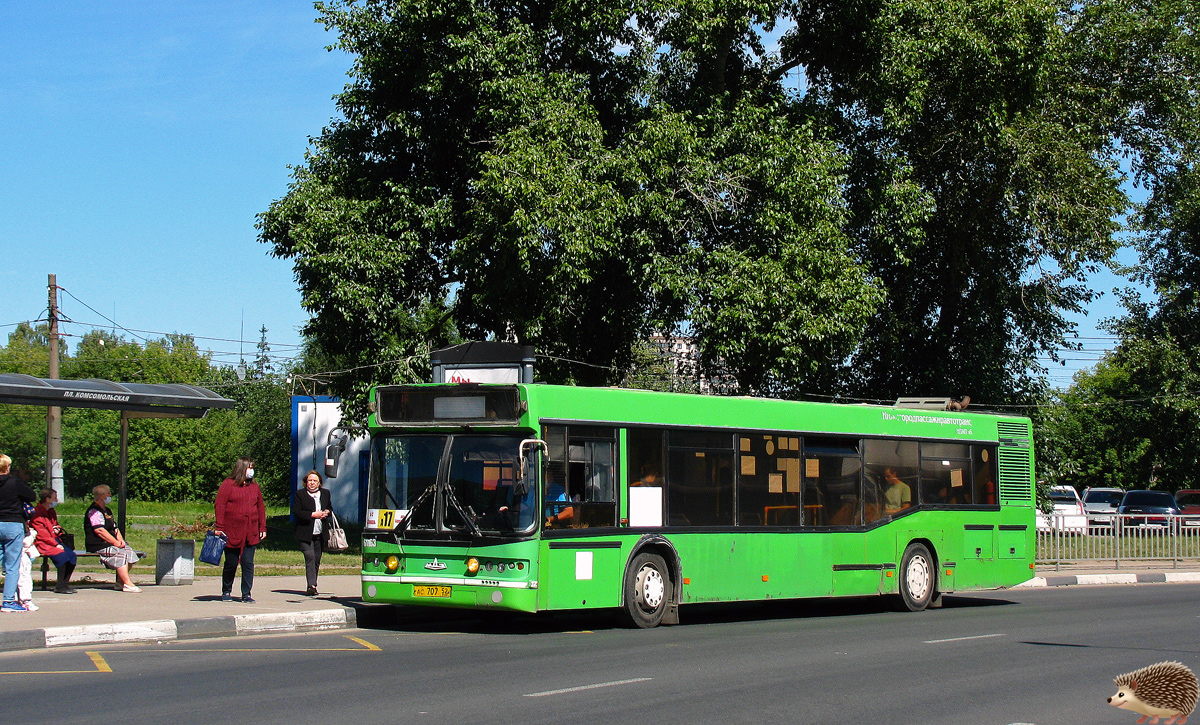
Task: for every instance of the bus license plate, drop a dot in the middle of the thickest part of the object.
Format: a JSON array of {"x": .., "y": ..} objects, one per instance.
[{"x": 419, "y": 591}]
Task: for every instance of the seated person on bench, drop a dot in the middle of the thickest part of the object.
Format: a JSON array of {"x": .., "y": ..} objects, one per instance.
[
  {"x": 105, "y": 539},
  {"x": 49, "y": 542}
]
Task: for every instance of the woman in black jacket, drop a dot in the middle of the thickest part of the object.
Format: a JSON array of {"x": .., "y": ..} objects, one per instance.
[
  {"x": 312, "y": 507},
  {"x": 14, "y": 494}
]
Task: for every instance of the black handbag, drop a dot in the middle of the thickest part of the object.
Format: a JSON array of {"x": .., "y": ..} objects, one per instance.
[{"x": 213, "y": 548}]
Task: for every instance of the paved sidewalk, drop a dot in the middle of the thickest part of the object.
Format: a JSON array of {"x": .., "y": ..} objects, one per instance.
[
  {"x": 99, "y": 615},
  {"x": 1107, "y": 573}
]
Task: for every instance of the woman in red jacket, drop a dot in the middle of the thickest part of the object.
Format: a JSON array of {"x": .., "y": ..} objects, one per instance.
[
  {"x": 242, "y": 520},
  {"x": 49, "y": 539}
]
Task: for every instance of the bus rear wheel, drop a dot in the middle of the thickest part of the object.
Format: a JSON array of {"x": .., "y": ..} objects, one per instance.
[
  {"x": 647, "y": 590},
  {"x": 917, "y": 578}
]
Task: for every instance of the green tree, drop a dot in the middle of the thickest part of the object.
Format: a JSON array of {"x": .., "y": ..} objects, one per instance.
[
  {"x": 919, "y": 216},
  {"x": 1134, "y": 420},
  {"x": 656, "y": 367},
  {"x": 264, "y": 413},
  {"x": 169, "y": 459},
  {"x": 571, "y": 177},
  {"x": 984, "y": 182},
  {"x": 28, "y": 353}
]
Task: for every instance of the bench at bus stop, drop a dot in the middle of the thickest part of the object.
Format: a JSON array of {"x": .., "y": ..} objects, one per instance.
[{"x": 78, "y": 555}]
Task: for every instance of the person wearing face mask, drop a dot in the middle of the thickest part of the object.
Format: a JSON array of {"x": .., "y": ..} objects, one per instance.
[
  {"x": 104, "y": 538},
  {"x": 242, "y": 520},
  {"x": 50, "y": 539},
  {"x": 312, "y": 508}
]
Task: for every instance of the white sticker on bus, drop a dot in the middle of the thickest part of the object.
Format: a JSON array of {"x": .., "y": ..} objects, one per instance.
[{"x": 583, "y": 565}]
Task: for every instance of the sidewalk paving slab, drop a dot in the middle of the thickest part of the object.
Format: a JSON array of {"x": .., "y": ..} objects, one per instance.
[{"x": 97, "y": 614}]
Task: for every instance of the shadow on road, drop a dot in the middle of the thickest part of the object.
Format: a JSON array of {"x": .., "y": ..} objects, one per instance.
[{"x": 433, "y": 620}]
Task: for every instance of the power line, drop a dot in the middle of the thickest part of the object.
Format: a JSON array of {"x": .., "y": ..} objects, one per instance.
[
  {"x": 132, "y": 330},
  {"x": 93, "y": 309}
]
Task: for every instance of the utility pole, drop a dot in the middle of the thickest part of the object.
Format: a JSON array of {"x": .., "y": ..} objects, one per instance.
[{"x": 54, "y": 468}]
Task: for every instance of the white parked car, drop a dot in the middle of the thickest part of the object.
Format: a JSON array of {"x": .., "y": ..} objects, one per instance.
[
  {"x": 1101, "y": 504},
  {"x": 1069, "y": 514}
]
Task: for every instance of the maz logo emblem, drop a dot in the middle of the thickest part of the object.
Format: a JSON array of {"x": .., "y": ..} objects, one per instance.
[{"x": 435, "y": 565}]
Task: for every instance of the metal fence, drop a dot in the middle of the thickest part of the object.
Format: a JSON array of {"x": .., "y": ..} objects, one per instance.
[{"x": 1071, "y": 539}]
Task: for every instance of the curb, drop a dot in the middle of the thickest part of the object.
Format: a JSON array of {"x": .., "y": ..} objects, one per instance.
[
  {"x": 163, "y": 630},
  {"x": 1158, "y": 577}
]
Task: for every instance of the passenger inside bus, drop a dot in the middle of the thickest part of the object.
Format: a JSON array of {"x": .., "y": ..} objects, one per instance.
[
  {"x": 558, "y": 513},
  {"x": 897, "y": 496},
  {"x": 649, "y": 476}
]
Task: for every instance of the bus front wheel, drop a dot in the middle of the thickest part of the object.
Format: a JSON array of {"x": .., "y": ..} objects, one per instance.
[
  {"x": 647, "y": 590},
  {"x": 917, "y": 578}
]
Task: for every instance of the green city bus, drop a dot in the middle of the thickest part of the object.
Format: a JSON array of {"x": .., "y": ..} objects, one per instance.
[{"x": 534, "y": 498}]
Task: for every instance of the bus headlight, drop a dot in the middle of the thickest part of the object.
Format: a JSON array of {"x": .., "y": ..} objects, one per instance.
[
  {"x": 472, "y": 566},
  {"x": 392, "y": 563}
]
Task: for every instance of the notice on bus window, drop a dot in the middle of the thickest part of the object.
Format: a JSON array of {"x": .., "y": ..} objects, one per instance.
[
  {"x": 775, "y": 483},
  {"x": 793, "y": 475},
  {"x": 812, "y": 467},
  {"x": 956, "y": 477},
  {"x": 748, "y": 465},
  {"x": 645, "y": 506}
]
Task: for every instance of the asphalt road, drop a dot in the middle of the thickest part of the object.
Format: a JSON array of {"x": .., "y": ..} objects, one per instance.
[{"x": 1022, "y": 656}]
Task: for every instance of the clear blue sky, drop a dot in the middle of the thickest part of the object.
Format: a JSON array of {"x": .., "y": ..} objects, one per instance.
[{"x": 140, "y": 139}]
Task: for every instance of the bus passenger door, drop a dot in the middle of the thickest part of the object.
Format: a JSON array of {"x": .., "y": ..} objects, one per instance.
[{"x": 581, "y": 574}]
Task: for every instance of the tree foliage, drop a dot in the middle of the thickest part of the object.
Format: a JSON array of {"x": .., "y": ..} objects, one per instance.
[
  {"x": 572, "y": 177},
  {"x": 1141, "y": 426},
  {"x": 918, "y": 214}
]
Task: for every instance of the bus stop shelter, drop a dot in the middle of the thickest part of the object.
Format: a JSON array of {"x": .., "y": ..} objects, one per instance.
[{"x": 133, "y": 400}]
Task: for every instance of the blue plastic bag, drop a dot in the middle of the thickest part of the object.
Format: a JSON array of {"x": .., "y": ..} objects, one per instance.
[{"x": 214, "y": 547}]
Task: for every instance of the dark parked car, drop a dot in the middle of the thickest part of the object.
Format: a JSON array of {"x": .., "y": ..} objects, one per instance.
[{"x": 1147, "y": 508}]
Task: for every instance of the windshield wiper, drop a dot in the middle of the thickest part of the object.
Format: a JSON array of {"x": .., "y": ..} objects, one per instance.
[
  {"x": 453, "y": 501},
  {"x": 416, "y": 504}
]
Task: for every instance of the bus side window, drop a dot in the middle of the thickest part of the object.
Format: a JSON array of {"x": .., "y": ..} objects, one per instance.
[
  {"x": 555, "y": 510},
  {"x": 890, "y": 477},
  {"x": 945, "y": 473},
  {"x": 834, "y": 465},
  {"x": 768, "y": 480},
  {"x": 580, "y": 477},
  {"x": 645, "y": 470},
  {"x": 700, "y": 488},
  {"x": 985, "y": 474}
]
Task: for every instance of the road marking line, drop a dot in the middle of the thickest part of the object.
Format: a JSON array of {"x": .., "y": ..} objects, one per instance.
[
  {"x": 363, "y": 642},
  {"x": 97, "y": 660},
  {"x": 53, "y": 672},
  {"x": 961, "y": 639},
  {"x": 184, "y": 650},
  {"x": 589, "y": 687}
]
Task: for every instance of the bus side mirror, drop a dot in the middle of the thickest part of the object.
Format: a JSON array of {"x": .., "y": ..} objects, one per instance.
[
  {"x": 523, "y": 475},
  {"x": 333, "y": 453}
]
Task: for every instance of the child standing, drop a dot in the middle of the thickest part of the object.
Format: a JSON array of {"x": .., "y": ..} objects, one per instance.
[{"x": 25, "y": 580}]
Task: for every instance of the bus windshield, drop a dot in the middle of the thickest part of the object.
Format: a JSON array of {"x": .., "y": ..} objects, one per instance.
[{"x": 453, "y": 483}]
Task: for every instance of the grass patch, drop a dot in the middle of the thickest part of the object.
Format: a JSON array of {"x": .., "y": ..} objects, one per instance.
[{"x": 147, "y": 522}]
